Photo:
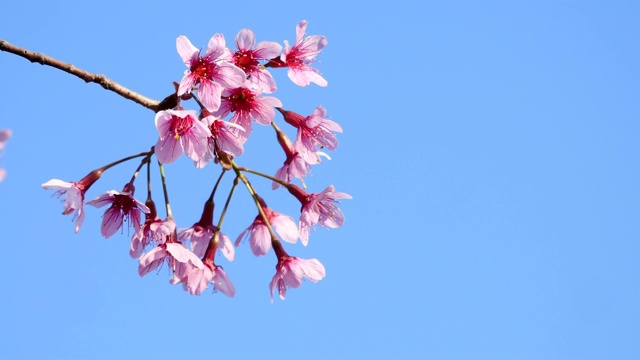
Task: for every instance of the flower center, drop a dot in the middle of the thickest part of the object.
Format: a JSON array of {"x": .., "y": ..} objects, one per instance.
[
  {"x": 180, "y": 126},
  {"x": 245, "y": 60},
  {"x": 203, "y": 69}
]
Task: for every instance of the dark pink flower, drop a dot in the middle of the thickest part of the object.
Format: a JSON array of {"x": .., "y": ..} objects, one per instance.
[
  {"x": 123, "y": 207},
  {"x": 180, "y": 130},
  {"x": 247, "y": 104},
  {"x": 319, "y": 209},
  {"x": 290, "y": 272},
  {"x": 211, "y": 71},
  {"x": 248, "y": 55},
  {"x": 258, "y": 233}
]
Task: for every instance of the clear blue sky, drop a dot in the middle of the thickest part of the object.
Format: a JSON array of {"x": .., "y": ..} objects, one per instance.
[{"x": 491, "y": 149}]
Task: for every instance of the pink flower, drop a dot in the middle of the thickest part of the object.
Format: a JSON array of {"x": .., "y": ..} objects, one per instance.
[
  {"x": 222, "y": 139},
  {"x": 314, "y": 132},
  {"x": 180, "y": 131},
  {"x": 153, "y": 229},
  {"x": 180, "y": 260},
  {"x": 319, "y": 209},
  {"x": 248, "y": 55},
  {"x": 201, "y": 235},
  {"x": 295, "y": 165},
  {"x": 123, "y": 207},
  {"x": 290, "y": 272},
  {"x": 299, "y": 57},
  {"x": 200, "y": 278},
  {"x": 203, "y": 70},
  {"x": 247, "y": 104},
  {"x": 259, "y": 237},
  {"x": 74, "y": 194}
]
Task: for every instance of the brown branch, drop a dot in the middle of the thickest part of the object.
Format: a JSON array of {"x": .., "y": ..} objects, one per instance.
[{"x": 168, "y": 103}]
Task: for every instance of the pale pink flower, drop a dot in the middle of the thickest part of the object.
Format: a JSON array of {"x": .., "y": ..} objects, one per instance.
[
  {"x": 211, "y": 71},
  {"x": 247, "y": 104},
  {"x": 222, "y": 139},
  {"x": 290, "y": 272},
  {"x": 299, "y": 57},
  {"x": 295, "y": 165},
  {"x": 258, "y": 233},
  {"x": 314, "y": 132},
  {"x": 74, "y": 194},
  {"x": 199, "y": 236},
  {"x": 200, "y": 278},
  {"x": 248, "y": 55},
  {"x": 123, "y": 207},
  {"x": 74, "y": 199},
  {"x": 180, "y": 131},
  {"x": 179, "y": 258},
  {"x": 319, "y": 209}
]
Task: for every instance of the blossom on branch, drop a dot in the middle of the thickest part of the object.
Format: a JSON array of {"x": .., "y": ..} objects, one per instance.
[
  {"x": 290, "y": 271},
  {"x": 319, "y": 209},
  {"x": 211, "y": 71},
  {"x": 248, "y": 55},
  {"x": 180, "y": 130},
  {"x": 247, "y": 104},
  {"x": 315, "y": 132},
  {"x": 74, "y": 194},
  {"x": 123, "y": 207},
  {"x": 258, "y": 233},
  {"x": 298, "y": 58}
]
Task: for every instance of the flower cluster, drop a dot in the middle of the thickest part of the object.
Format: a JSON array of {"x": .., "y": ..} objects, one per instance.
[{"x": 233, "y": 90}]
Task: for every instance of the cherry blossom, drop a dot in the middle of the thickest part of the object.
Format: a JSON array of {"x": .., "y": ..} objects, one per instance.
[
  {"x": 179, "y": 258},
  {"x": 211, "y": 71},
  {"x": 222, "y": 139},
  {"x": 123, "y": 207},
  {"x": 180, "y": 131},
  {"x": 258, "y": 233},
  {"x": 200, "y": 278},
  {"x": 314, "y": 132},
  {"x": 290, "y": 271},
  {"x": 153, "y": 229},
  {"x": 248, "y": 55},
  {"x": 247, "y": 104},
  {"x": 319, "y": 209},
  {"x": 74, "y": 194},
  {"x": 299, "y": 57}
]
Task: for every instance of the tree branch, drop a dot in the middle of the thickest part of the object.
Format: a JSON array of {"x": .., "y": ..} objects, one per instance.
[{"x": 154, "y": 105}]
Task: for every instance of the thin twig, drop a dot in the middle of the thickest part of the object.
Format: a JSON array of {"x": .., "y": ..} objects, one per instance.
[{"x": 100, "y": 79}]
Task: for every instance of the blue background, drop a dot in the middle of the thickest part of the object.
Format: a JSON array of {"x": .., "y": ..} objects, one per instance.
[{"x": 491, "y": 149}]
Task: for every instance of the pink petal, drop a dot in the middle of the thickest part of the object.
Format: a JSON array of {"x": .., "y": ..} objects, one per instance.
[
  {"x": 186, "y": 50},
  {"x": 111, "y": 222},
  {"x": 245, "y": 40},
  {"x": 151, "y": 260}
]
